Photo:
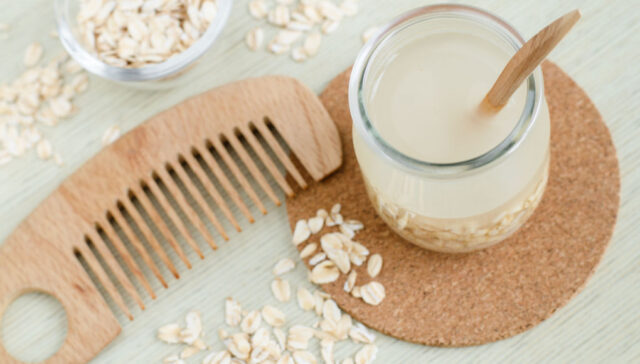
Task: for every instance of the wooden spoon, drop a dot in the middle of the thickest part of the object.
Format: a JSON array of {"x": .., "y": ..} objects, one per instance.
[{"x": 526, "y": 60}]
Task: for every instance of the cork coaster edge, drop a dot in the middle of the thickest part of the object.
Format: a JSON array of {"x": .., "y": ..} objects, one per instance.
[{"x": 575, "y": 220}]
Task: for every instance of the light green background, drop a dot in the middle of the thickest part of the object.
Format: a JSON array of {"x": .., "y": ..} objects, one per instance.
[{"x": 602, "y": 54}]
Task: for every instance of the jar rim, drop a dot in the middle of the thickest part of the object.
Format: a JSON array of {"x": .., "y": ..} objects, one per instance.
[
  {"x": 363, "y": 125},
  {"x": 150, "y": 72}
]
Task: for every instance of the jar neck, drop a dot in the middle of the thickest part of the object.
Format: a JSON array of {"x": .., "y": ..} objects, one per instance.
[{"x": 372, "y": 51}]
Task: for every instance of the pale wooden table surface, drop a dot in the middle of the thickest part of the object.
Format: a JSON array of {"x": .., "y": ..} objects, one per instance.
[{"x": 602, "y": 324}]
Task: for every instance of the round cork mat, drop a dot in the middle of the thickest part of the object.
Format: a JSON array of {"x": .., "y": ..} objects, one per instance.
[{"x": 470, "y": 299}]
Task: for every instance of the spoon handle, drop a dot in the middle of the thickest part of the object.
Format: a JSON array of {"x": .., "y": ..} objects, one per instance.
[{"x": 527, "y": 59}]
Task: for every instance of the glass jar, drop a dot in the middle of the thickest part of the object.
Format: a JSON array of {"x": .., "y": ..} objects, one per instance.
[
  {"x": 153, "y": 76},
  {"x": 460, "y": 205}
]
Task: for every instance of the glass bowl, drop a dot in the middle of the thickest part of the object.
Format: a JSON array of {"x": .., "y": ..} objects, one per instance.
[{"x": 158, "y": 75}]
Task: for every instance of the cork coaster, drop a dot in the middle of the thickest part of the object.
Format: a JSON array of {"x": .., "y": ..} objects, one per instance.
[{"x": 470, "y": 299}]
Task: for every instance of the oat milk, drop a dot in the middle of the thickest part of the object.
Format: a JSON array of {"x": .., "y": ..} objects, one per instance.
[{"x": 422, "y": 99}]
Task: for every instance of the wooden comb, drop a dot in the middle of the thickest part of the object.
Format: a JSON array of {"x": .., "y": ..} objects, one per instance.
[{"x": 135, "y": 189}]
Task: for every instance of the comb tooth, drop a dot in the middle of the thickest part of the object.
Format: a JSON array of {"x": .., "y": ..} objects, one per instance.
[
  {"x": 126, "y": 256},
  {"x": 148, "y": 235},
  {"x": 95, "y": 266},
  {"x": 217, "y": 145},
  {"x": 120, "y": 219},
  {"x": 181, "y": 199},
  {"x": 199, "y": 171},
  {"x": 266, "y": 160},
  {"x": 199, "y": 195},
  {"x": 202, "y": 204},
  {"x": 115, "y": 267},
  {"x": 182, "y": 227},
  {"x": 159, "y": 222},
  {"x": 253, "y": 169},
  {"x": 280, "y": 153}
]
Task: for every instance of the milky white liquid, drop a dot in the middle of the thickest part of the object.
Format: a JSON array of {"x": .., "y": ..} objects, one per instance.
[
  {"x": 425, "y": 103},
  {"x": 422, "y": 96}
]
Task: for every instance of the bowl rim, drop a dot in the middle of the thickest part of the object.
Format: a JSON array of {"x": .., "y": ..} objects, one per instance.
[{"x": 152, "y": 72}]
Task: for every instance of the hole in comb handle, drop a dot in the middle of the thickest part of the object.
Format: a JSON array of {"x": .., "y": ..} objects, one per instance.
[{"x": 34, "y": 327}]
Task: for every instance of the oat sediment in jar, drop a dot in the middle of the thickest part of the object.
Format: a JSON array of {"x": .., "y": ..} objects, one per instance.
[{"x": 438, "y": 172}]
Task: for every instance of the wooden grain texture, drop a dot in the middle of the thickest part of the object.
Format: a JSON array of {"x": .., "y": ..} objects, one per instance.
[
  {"x": 41, "y": 254},
  {"x": 526, "y": 59},
  {"x": 600, "y": 54}
]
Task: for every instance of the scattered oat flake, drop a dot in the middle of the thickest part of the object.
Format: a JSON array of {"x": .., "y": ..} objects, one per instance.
[
  {"x": 222, "y": 333},
  {"x": 330, "y": 310},
  {"x": 221, "y": 357},
  {"x": 359, "y": 333},
  {"x": 58, "y": 159},
  {"x": 374, "y": 266},
  {"x": 326, "y": 350},
  {"x": 301, "y": 232},
  {"x": 280, "y": 337},
  {"x": 304, "y": 357},
  {"x": 258, "y": 9},
  {"x": 251, "y": 322},
  {"x": 61, "y": 106},
  {"x": 169, "y": 333},
  {"x": 325, "y": 272},
  {"x": 349, "y": 7},
  {"x": 192, "y": 332},
  {"x": 298, "y": 54},
  {"x": 367, "y": 354},
  {"x": 110, "y": 135},
  {"x": 315, "y": 224},
  {"x": 308, "y": 250},
  {"x": 286, "y": 358},
  {"x": 317, "y": 258},
  {"x": 322, "y": 213},
  {"x": 281, "y": 290},
  {"x": 373, "y": 293},
  {"x": 233, "y": 312},
  {"x": 189, "y": 351},
  {"x": 350, "y": 282},
  {"x": 33, "y": 54},
  {"x": 173, "y": 359},
  {"x": 273, "y": 316},
  {"x": 239, "y": 346},
  {"x": 305, "y": 299},
  {"x": 44, "y": 149},
  {"x": 255, "y": 38},
  {"x": 283, "y": 266}
]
